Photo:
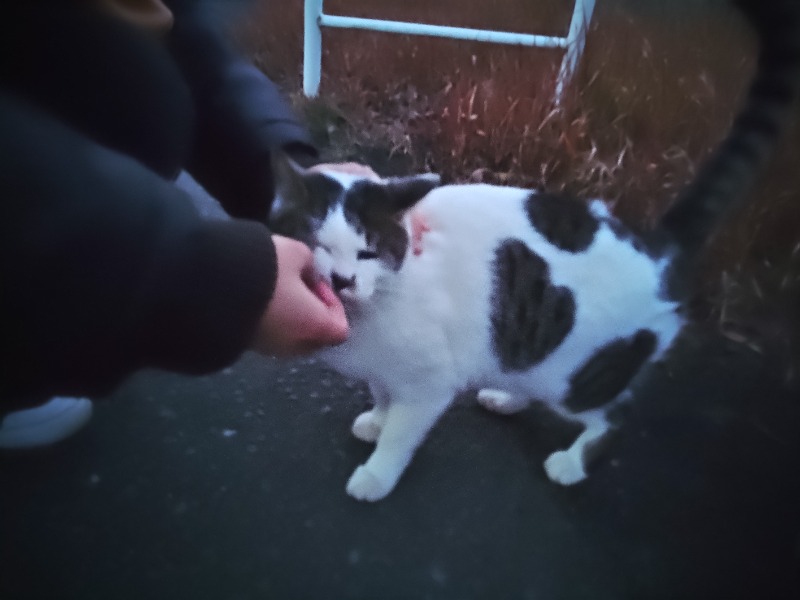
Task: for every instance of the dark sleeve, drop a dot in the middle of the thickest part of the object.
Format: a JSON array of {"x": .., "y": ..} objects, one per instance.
[
  {"x": 241, "y": 115},
  {"x": 107, "y": 268}
]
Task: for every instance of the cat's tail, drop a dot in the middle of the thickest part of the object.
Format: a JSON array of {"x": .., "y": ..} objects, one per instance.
[{"x": 730, "y": 172}]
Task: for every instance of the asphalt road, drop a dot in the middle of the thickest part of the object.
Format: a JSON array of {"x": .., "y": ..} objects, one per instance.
[{"x": 232, "y": 487}]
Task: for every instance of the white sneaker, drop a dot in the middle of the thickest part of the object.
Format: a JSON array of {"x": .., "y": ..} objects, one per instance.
[{"x": 46, "y": 424}]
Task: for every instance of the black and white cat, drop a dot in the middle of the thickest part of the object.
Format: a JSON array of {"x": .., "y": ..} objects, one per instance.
[{"x": 521, "y": 295}]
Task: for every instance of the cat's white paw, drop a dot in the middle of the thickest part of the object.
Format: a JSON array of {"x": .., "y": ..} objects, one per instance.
[
  {"x": 500, "y": 402},
  {"x": 364, "y": 485},
  {"x": 367, "y": 427},
  {"x": 562, "y": 467}
]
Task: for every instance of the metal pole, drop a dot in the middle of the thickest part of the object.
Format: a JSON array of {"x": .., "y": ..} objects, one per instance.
[
  {"x": 315, "y": 20},
  {"x": 457, "y": 33},
  {"x": 576, "y": 39},
  {"x": 312, "y": 47}
]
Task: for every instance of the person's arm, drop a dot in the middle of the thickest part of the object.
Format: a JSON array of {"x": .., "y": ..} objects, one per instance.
[
  {"x": 241, "y": 116},
  {"x": 107, "y": 268}
]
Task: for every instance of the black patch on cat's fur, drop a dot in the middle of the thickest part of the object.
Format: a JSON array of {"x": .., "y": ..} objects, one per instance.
[
  {"x": 530, "y": 315},
  {"x": 374, "y": 209},
  {"x": 307, "y": 201},
  {"x": 564, "y": 221},
  {"x": 368, "y": 208},
  {"x": 609, "y": 371}
]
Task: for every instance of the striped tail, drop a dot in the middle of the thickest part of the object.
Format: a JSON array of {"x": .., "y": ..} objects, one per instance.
[{"x": 727, "y": 177}]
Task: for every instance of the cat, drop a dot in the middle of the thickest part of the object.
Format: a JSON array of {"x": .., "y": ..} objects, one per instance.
[{"x": 522, "y": 295}]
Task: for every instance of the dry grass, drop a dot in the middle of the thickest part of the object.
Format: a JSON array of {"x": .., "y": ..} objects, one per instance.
[{"x": 655, "y": 91}]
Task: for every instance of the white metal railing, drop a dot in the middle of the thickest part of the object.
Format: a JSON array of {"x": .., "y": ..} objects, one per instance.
[{"x": 315, "y": 20}]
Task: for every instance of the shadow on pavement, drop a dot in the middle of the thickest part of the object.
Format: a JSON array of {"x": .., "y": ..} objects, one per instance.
[{"x": 232, "y": 487}]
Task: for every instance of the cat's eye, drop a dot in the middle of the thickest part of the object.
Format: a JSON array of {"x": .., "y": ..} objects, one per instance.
[{"x": 366, "y": 255}]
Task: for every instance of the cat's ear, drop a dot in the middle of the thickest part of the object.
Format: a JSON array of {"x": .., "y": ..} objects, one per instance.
[
  {"x": 289, "y": 179},
  {"x": 299, "y": 189},
  {"x": 405, "y": 192}
]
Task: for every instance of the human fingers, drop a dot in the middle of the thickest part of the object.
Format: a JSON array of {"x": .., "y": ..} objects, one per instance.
[
  {"x": 351, "y": 168},
  {"x": 304, "y": 314}
]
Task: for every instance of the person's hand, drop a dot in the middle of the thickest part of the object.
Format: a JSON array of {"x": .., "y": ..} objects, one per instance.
[
  {"x": 351, "y": 168},
  {"x": 304, "y": 313}
]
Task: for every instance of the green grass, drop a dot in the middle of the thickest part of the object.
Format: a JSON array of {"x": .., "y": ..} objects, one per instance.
[{"x": 656, "y": 90}]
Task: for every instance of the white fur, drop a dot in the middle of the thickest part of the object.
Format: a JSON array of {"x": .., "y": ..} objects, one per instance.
[{"x": 423, "y": 333}]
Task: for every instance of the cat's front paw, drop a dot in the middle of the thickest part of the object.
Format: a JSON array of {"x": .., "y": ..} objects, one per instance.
[
  {"x": 367, "y": 427},
  {"x": 364, "y": 485},
  {"x": 562, "y": 467}
]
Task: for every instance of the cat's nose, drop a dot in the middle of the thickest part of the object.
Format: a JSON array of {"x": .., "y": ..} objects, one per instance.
[{"x": 340, "y": 283}]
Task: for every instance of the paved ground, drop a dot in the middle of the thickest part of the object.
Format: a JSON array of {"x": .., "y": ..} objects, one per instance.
[{"x": 232, "y": 487}]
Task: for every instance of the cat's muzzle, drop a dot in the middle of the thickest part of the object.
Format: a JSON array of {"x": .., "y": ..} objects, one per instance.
[{"x": 342, "y": 283}]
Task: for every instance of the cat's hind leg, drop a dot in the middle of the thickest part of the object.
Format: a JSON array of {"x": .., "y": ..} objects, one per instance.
[
  {"x": 569, "y": 466},
  {"x": 601, "y": 382},
  {"x": 368, "y": 425},
  {"x": 501, "y": 402},
  {"x": 405, "y": 427}
]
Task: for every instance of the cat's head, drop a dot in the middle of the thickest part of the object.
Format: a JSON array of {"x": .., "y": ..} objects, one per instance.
[{"x": 352, "y": 223}]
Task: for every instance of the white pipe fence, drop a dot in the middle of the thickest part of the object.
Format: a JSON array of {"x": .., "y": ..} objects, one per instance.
[{"x": 315, "y": 20}]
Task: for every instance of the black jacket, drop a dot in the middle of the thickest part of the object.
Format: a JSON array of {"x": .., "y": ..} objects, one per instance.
[{"x": 106, "y": 266}]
